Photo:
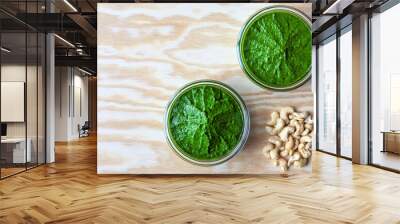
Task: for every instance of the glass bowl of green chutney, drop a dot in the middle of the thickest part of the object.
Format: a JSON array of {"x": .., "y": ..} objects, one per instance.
[
  {"x": 206, "y": 123},
  {"x": 275, "y": 47}
]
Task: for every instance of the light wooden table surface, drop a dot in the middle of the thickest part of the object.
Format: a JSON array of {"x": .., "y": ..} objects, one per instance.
[{"x": 145, "y": 53}]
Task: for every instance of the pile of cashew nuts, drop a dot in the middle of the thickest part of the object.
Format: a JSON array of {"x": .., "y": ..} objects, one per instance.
[{"x": 290, "y": 138}]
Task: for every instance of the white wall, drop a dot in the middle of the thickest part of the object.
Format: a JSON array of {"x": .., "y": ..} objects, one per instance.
[
  {"x": 62, "y": 82},
  {"x": 80, "y": 110},
  {"x": 12, "y": 73},
  {"x": 70, "y": 84},
  {"x": 33, "y": 127}
]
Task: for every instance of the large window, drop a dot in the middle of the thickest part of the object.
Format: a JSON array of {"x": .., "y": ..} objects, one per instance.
[
  {"x": 385, "y": 89},
  {"x": 22, "y": 78},
  {"x": 334, "y": 100},
  {"x": 327, "y": 95},
  {"x": 345, "y": 60}
]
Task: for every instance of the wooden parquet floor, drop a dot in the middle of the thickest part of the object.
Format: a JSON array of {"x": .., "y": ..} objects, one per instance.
[{"x": 70, "y": 191}]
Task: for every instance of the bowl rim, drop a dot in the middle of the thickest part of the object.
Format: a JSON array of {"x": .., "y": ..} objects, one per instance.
[
  {"x": 242, "y": 32},
  {"x": 245, "y": 130}
]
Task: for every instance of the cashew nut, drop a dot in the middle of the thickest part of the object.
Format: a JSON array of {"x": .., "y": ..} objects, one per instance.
[
  {"x": 300, "y": 163},
  {"x": 284, "y": 113},
  {"x": 305, "y": 153},
  {"x": 299, "y": 115},
  {"x": 273, "y": 154},
  {"x": 309, "y": 120},
  {"x": 284, "y": 153},
  {"x": 306, "y": 139},
  {"x": 274, "y": 117},
  {"x": 277, "y": 128},
  {"x": 276, "y": 141},
  {"x": 290, "y": 143},
  {"x": 299, "y": 128},
  {"x": 285, "y": 132},
  {"x": 296, "y": 143},
  {"x": 308, "y": 146},
  {"x": 306, "y": 132},
  {"x": 268, "y": 147},
  {"x": 293, "y": 158},
  {"x": 269, "y": 129},
  {"x": 308, "y": 126},
  {"x": 283, "y": 164}
]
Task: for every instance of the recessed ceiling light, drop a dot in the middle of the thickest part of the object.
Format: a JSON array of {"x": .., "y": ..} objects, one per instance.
[
  {"x": 5, "y": 50},
  {"x": 338, "y": 6},
  {"x": 64, "y": 40},
  {"x": 84, "y": 71},
  {"x": 70, "y": 5}
]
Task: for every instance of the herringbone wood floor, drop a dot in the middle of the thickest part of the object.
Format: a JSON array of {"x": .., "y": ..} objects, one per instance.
[{"x": 70, "y": 191}]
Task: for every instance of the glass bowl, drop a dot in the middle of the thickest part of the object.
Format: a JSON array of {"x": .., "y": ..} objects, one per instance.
[
  {"x": 246, "y": 69},
  {"x": 244, "y": 134}
]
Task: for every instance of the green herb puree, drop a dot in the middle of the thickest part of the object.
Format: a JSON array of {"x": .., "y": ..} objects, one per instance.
[
  {"x": 277, "y": 48},
  {"x": 206, "y": 122}
]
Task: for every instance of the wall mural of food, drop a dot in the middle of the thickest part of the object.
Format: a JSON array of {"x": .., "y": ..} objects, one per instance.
[{"x": 188, "y": 88}]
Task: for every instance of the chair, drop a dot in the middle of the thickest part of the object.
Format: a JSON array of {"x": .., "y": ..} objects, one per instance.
[{"x": 84, "y": 130}]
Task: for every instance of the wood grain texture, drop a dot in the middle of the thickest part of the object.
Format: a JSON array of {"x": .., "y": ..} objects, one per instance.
[
  {"x": 70, "y": 191},
  {"x": 145, "y": 53}
]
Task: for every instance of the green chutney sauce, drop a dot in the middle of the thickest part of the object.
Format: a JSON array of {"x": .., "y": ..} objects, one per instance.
[
  {"x": 276, "y": 49},
  {"x": 206, "y": 122}
]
